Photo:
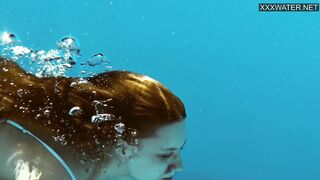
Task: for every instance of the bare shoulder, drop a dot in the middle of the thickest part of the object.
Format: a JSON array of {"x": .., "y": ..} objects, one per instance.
[{"x": 23, "y": 156}]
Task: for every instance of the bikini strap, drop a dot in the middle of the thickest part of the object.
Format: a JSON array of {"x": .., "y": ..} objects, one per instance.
[{"x": 61, "y": 161}]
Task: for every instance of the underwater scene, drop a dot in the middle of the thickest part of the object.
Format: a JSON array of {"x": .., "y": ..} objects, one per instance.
[{"x": 159, "y": 90}]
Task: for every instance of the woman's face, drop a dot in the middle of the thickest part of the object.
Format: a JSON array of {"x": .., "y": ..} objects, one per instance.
[{"x": 159, "y": 157}]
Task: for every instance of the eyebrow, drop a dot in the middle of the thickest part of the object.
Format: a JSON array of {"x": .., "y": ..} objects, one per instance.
[{"x": 174, "y": 149}]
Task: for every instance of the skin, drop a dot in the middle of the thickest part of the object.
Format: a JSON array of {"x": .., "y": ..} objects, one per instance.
[
  {"x": 21, "y": 151},
  {"x": 160, "y": 155}
]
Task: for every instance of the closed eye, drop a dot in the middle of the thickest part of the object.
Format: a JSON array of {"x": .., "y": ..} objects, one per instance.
[{"x": 165, "y": 156}]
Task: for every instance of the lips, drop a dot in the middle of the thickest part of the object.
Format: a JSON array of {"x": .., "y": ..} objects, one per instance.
[{"x": 169, "y": 175}]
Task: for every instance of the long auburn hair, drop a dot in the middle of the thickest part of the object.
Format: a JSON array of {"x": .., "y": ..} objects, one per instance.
[{"x": 111, "y": 107}]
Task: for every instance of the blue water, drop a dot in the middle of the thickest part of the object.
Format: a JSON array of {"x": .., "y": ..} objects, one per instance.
[{"x": 250, "y": 81}]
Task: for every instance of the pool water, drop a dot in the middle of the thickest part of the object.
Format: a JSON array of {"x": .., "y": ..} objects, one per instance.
[{"x": 250, "y": 80}]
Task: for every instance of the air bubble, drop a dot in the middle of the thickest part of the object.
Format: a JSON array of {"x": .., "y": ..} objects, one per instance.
[
  {"x": 120, "y": 128},
  {"x": 96, "y": 59},
  {"x": 75, "y": 111},
  {"x": 67, "y": 65},
  {"x": 134, "y": 132},
  {"x": 73, "y": 84},
  {"x": 69, "y": 44},
  {"x": 46, "y": 112},
  {"x": 7, "y": 38},
  {"x": 82, "y": 81}
]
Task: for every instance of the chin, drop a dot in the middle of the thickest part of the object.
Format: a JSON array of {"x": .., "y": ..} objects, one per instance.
[{"x": 167, "y": 178}]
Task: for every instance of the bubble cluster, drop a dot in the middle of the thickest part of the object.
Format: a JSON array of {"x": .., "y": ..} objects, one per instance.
[
  {"x": 61, "y": 139},
  {"x": 55, "y": 62},
  {"x": 98, "y": 118},
  {"x": 69, "y": 44},
  {"x": 58, "y": 61},
  {"x": 20, "y": 50},
  {"x": 130, "y": 149},
  {"x": 102, "y": 111},
  {"x": 102, "y": 106}
]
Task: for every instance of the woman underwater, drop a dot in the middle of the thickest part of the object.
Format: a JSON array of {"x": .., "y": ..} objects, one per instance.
[{"x": 117, "y": 125}]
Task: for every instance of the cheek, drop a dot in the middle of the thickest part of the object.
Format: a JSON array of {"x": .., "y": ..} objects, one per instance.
[{"x": 147, "y": 168}]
